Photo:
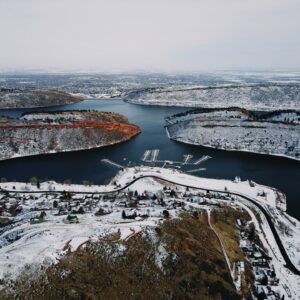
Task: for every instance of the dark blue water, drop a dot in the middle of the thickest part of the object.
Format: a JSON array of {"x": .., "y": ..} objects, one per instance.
[{"x": 274, "y": 171}]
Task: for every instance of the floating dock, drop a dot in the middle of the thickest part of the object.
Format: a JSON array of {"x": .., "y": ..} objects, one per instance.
[
  {"x": 112, "y": 163},
  {"x": 196, "y": 170},
  {"x": 202, "y": 159},
  {"x": 187, "y": 158}
]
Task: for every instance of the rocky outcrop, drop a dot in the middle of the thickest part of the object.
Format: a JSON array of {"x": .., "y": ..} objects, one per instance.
[
  {"x": 43, "y": 133},
  {"x": 30, "y": 98}
]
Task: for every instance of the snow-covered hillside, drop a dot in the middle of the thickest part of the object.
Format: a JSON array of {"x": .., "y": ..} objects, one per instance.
[
  {"x": 261, "y": 97},
  {"x": 30, "y": 98},
  {"x": 276, "y": 133},
  {"x": 40, "y": 133}
]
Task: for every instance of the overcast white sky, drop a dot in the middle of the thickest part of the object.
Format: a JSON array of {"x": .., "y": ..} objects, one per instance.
[{"x": 155, "y": 35}]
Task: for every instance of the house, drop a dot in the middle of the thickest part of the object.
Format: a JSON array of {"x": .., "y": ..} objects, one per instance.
[
  {"x": 246, "y": 246},
  {"x": 143, "y": 203},
  {"x": 122, "y": 204},
  {"x": 239, "y": 223},
  {"x": 241, "y": 266},
  {"x": 260, "y": 277},
  {"x": 265, "y": 292},
  {"x": 71, "y": 219},
  {"x": 260, "y": 262}
]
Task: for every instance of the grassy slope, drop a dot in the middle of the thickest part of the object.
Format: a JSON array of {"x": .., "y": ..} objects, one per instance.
[
  {"x": 193, "y": 269},
  {"x": 224, "y": 223}
]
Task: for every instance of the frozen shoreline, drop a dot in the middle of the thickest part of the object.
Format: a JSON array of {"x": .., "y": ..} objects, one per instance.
[{"x": 232, "y": 150}]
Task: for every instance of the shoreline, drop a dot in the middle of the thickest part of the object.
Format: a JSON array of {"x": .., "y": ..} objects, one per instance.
[
  {"x": 5, "y": 109},
  {"x": 244, "y": 150},
  {"x": 73, "y": 150},
  {"x": 193, "y": 106}
]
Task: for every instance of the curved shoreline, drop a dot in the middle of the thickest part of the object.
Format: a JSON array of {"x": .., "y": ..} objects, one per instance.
[
  {"x": 69, "y": 151},
  {"x": 275, "y": 132},
  {"x": 238, "y": 150},
  {"x": 4, "y": 109},
  {"x": 53, "y": 132}
]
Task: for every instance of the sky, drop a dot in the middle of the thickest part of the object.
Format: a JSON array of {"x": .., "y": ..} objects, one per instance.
[{"x": 152, "y": 35}]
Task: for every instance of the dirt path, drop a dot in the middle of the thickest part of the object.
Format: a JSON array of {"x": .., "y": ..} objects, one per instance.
[{"x": 223, "y": 250}]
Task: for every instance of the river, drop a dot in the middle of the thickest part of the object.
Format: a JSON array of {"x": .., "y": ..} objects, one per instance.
[{"x": 278, "y": 172}]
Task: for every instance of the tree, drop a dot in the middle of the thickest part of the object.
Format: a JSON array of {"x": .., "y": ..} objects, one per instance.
[
  {"x": 67, "y": 181},
  {"x": 55, "y": 203},
  {"x": 124, "y": 215},
  {"x": 66, "y": 196},
  {"x": 38, "y": 184},
  {"x": 166, "y": 214},
  {"x": 42, "y": 214},
  {"x": 173, "y": 194},
  {"x": 251, "y": 232},
  {"x": 80, "y": 210},
  {"x": 85, "y": 182},
  {"x": 33, "y": 180}
]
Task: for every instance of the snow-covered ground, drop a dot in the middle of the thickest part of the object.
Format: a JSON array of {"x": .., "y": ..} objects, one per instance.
[
  {"x": 109, "y": 86},
  {"x": 24, "y": 243},
  {"x": 44, "y": 133},
  {"x": 262, "y": 194},
  {"x": 39, "y": 243},
  {"x": 261, "y": 97},
  {"x": 270, "y": 196},
  {"x": 277, "y": 133}
]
